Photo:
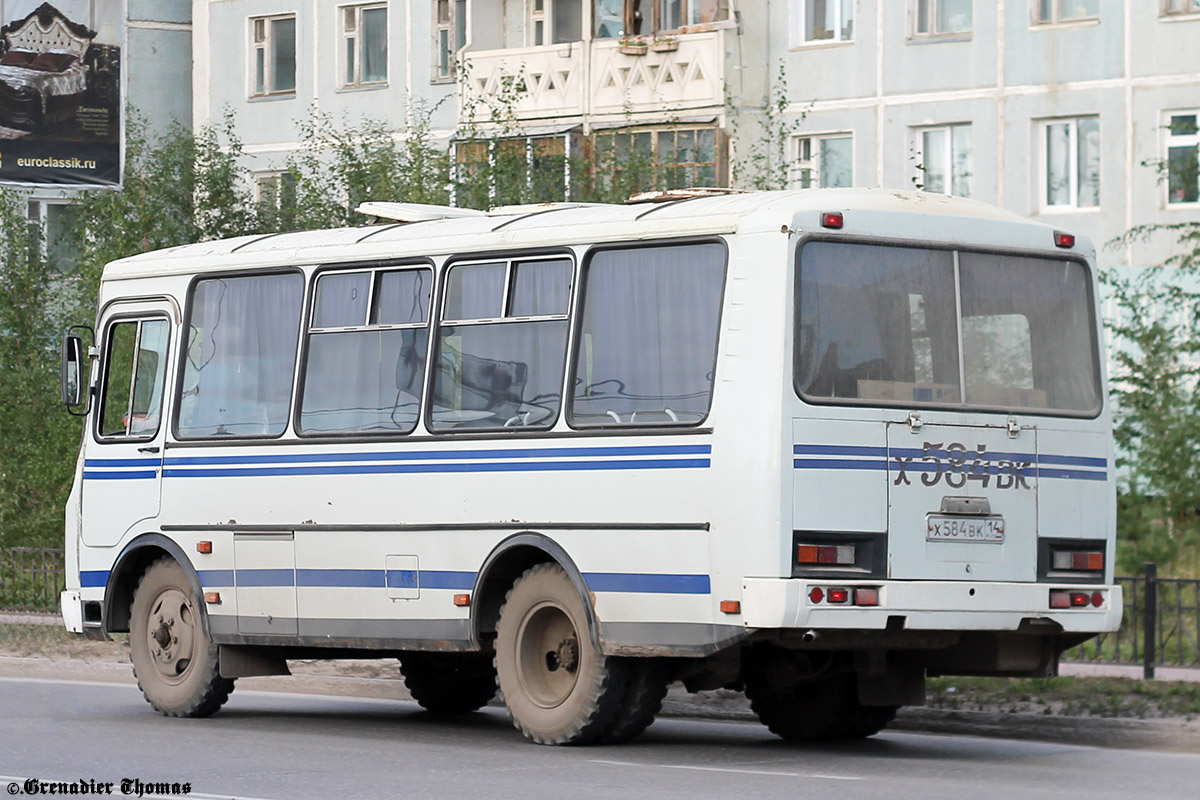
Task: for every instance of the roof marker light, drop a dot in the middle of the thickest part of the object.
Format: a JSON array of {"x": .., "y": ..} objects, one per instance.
[
  {"x": 1064, "y": 239},
  {"x": 833, "y": 219}
]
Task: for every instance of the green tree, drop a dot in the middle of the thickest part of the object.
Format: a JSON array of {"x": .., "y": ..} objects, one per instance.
[{"x": 1156, "y": 385}]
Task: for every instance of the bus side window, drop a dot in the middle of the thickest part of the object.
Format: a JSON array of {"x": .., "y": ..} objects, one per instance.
[
  {"x": 648, "y": 343},
  {"x": 136, "y": 362},
  {"x": 502, "y": 345},
  {"x": 366, "y": 351},
  {"x": 237, "y": 378}
]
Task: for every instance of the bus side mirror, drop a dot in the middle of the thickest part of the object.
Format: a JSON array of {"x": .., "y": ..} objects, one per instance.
[{"x": 75, "y": 395}]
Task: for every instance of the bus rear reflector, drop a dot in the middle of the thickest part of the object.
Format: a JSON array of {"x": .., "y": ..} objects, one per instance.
[{"x": 817, "y": 594}]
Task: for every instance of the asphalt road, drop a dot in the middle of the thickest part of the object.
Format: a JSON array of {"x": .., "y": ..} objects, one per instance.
[{"x": 274, "y": 745}]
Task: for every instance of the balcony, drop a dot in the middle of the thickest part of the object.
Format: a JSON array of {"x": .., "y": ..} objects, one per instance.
[{"x": 592, "y": 79}]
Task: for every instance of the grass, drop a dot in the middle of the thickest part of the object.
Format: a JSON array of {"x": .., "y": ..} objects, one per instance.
[
  {"x": 53, "y": 641},
  {"x": 1068, "y": 696}
]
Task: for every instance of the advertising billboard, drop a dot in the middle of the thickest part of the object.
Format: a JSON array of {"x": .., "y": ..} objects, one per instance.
[{"x": 61, "y": 109}]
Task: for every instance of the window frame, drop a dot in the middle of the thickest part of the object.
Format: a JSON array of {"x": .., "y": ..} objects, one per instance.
[
  {"x": 181, "y": 357},
  {"x": 1166, "y": 12},
  {"x": 358, "y": 36},
  {"x": 961, "y": 407},
  {"x": 918, "y": 149},
  {"x": 438, "y": 321},
  {"x": 813, "y": 161},
  {"x": 720, "y": 162},
  {"x": 933, "y": 32},
  {"x": 797, "y": 11},
  {"x": 306, "y": 331},
  {"x": 1056, "y": 17},
  {"x": 266, "y": 47},
  {"x": 577, "y": 334},
  {"x": 1171, "y": 140},
  {"x": 1043, "y": 128},
  {"x": 102, "y": 383},
  {"x": 451, "y": 27}
]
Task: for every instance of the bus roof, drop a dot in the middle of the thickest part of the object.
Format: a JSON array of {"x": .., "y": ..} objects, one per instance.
[{"x": 559, "y": 224}]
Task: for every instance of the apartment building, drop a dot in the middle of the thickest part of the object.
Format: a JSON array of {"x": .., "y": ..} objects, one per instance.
[{"x": 1084, "y": 113}]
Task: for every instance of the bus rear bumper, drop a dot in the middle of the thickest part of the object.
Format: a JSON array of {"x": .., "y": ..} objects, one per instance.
[{"x": 775, "y": 603}]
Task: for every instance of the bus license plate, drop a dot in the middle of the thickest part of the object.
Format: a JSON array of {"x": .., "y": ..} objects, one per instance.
[{"x": 964, "y": 529}]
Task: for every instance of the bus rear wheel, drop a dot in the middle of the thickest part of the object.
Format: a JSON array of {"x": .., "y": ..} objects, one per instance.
[
  {"x": 449, "y": 683},
  {"x": 558, "y": 687},
  {"x": 175, "y": 664},
  {"x": 800, "y": 708}
]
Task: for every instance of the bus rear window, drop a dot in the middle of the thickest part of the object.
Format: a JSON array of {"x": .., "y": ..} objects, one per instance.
[{"x": 882, "y": 325}]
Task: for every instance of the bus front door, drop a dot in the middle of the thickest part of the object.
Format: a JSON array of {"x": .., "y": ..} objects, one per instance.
[{"x": 123, "y": 454}]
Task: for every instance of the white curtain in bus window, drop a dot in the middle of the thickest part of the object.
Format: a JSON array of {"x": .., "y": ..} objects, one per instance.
[
  {"x": 1028, "y": 338},
  {"x": 877, "y": 324},
  {"x": 502, "y": 345},
  {"x": 648, "y": 341},
  {"x": 366, "y": 352},
  {"x": 241, "y": 353}
]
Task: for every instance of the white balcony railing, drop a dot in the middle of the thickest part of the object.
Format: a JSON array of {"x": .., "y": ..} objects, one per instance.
[{"x": 592, "y": 78}]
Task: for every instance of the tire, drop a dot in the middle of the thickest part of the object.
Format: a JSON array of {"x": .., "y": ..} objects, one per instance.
[
  {"x": 559, "y": 689},
  {"x": 801, "y": 709},
  {"x": 449, "y": 683},
  {"x": 175, "y": 663},
  {"x": 644, "y": 692}
]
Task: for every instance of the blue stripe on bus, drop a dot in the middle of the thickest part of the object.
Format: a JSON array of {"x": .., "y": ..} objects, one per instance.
[
  {"x": 649, "y": 583},
  {"x": 431, "y": 455},
  {"x": 122, "y": 462},
  {"x": 1074, "y": 461},
  {"x": 119, "y": 475},
  {"x": 838, "y": 450},
  {"x": 643, "y": 583},
  {"x": 383, "y": 469},
  {"x": 91, "y": 578},
  {"x": 1072, "y": 474},
  {"x": 266, "y": 577},
  {"x": 215, "y": 577}
]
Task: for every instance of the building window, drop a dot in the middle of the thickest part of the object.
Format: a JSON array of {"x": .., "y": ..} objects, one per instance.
[
  {"x": 1051, "y": 11},
  {"x": 364, "y": 45},
  {"x": 1183, "y": 157},
  {"x": 1172, "y": 7},
  {"x": 815, "y": 21},
  {"x": 943, "y": 159},
  {"x": 935, "y": 17},
  {"x": 450, "y": 34},
  {"x": 822, "y": 162},
  {"x": 555, "y": 21},
  {"x": 275, "y": 199},
  {"x": 274, "y": 55},
  {"x": 670, "y": 158},
  {"x": 1071, "y": 163},
  {"x": 515, "y": 170},
  {"x": 613, "y": 18}
]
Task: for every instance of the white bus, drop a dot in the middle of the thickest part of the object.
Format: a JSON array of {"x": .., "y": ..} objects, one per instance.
[{"x": 817, "y": 445}]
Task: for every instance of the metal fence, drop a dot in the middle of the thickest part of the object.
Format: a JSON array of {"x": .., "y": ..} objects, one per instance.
[
  {"x": 31, "y": 578},
  {"x": 1160, "y": 627}
]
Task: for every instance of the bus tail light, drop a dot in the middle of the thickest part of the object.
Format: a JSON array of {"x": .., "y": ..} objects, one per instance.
[
  {"x": 841, "y": 554},
  {"x": 1079, "y": 560},
  {"x": 832, "y": 219},
  {"x": 866, "y": 597},
  {"x": 1062, "y": 598},
  {"x": 839, "y": 595}
]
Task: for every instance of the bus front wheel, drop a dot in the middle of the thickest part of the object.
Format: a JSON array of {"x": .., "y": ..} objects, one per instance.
[
  {"x": 174, "y": 662},
  {"x": 558, "y": 687}
]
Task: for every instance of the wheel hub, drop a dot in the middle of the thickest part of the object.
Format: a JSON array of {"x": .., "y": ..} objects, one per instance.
[
  {"x": 549, "y": 657},
  {"x": 171, "y": 634}
]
